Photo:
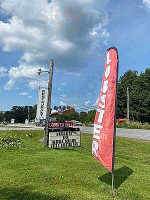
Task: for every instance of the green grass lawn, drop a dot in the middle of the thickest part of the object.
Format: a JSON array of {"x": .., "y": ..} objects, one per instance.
[{"x": 33, "y": 172}]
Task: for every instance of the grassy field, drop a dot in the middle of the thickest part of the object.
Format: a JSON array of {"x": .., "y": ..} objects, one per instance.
[{"x": 33, "y": 172}]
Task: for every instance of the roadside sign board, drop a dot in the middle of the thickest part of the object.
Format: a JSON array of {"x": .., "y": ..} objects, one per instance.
[
  {"x": 64, "y": 137},
  {"x": 42, "y": 103}
]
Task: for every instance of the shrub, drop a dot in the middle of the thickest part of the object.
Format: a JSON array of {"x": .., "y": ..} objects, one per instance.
[
  {"x": 134, "y": 125},
  {"x": 10, "y": 142}
]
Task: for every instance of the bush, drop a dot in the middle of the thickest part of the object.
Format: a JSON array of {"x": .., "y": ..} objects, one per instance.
[
  {"x": 134, "y": 125},
  {"x": 10, "y": 142}
]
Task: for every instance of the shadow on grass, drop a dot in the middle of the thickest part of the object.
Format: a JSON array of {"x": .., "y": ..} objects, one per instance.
[
  {"x": 120, "y": 176},
  {"x": 26, "y": 193}
]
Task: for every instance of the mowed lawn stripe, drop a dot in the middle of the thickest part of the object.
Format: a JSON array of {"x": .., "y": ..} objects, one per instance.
[{"x": 36, "y": 172}]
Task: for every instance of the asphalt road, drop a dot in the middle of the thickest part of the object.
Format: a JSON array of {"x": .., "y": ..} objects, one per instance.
[{"x": 141, "y": 134}]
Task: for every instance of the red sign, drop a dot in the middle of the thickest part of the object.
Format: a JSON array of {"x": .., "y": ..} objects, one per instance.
[
  {"x": 60, "y": 124},
  {"x": 105, "y": 118}
]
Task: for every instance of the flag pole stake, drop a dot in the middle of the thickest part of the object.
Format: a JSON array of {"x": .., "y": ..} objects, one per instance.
[{"x": 112, "y": 181}]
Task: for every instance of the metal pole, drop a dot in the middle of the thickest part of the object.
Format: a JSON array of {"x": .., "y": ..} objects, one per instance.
[
  {"x": 128, "y": 104},
  {"x": 112, "y": 181},
  {"x": 46, "y": 138},
  {"x": 114, "y": 138}
]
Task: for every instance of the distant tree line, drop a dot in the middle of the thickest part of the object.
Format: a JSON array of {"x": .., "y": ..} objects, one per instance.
[
  {"x": 139, "y": 95},
  {"x": 86, "y": 118},
  {"x": 19, "y": 113}
]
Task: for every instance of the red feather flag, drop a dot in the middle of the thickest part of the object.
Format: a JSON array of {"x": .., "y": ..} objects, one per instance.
[{"x": 103, "y": 146}]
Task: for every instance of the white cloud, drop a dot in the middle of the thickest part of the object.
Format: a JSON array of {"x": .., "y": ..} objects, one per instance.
[
  {"x": 23, "y": 73},
  {"x": 74, "y": 106},
  {"x": 96, "y": 102},
  {"x": 74, "y": 73},
  {"x": 9, "y": 85},
  {"x": 62, "y": 103},
  {"x": 59, "y": 89},
  {"x": 30, "y": 97},
  {"x": 63, "y": 84},
  {"x": 147, "y": 4},
  {"x": 34, "y": 84},
  {"x": 86, "y": 103},
  {"x": 63, "y": 95},
  {"x": 23, "y": 94},
  {"x": 3, "y": 71},
  {"x": 65, "y": 31}
]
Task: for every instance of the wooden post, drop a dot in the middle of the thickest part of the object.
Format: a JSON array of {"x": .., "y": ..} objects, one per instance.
[
  {"x": 28, "y": 114},
  {"x": 46, "y": 138},
  {"x": 128, "y": 104}
]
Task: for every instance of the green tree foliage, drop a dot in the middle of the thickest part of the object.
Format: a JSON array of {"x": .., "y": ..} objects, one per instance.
[
  {"x": 90, "y": 116},
  {"x": 19, "y": 113},
  {"x": 67, "y": 116},
  {"x": 83, "y": 117},
  {"x": 139, "y": 93},
  {"x": 127, "y": 80}
]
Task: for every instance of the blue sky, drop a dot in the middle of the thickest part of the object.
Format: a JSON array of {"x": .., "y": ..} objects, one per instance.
[{"x": 76, "y": 35}]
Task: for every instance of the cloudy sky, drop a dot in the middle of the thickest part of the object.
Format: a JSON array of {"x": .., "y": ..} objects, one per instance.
[{"x": 75, "y": 34}]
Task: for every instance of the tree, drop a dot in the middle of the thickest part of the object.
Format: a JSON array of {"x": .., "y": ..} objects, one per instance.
[
  {"x": 139, "y": 92},
  {"x": 82, "y": 117},
  {"x": 19, "y": 113},
  {"x": 127, "y": 80},
  {"x": 68, "y": 115},
  {"x": 90, "y": 116}
]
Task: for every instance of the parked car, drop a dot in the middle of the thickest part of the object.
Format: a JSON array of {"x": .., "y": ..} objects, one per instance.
[
  {"x": 4, "y": 123},
  {"x": 76, "y": 123}
]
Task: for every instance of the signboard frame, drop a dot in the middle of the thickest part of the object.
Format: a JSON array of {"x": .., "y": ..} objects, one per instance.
[{"x": 64, "y": 137}]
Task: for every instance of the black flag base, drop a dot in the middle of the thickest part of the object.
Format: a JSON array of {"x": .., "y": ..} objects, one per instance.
[{"x": 121, "y": 175}]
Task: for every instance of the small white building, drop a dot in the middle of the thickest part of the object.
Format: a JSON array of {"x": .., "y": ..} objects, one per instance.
[
  {"x": 12, "y": 121},
  {"x": 26, "y": 122}
]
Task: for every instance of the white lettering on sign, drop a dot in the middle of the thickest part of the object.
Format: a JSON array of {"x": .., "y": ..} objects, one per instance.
[
  {"x": 97, "y": 129},
  {"x": 95, "y": 148},
  {"x": 62, "y": 138},
  {"x": 42, "y": 103},
  {"x": 105, "y": 86},
  {"x": 107, "y": 72},
  {"x": 108, "y": 58},
  {"x": 101, "y": 108},
  {"x": 103, "y": 99},
  {"x": 60, "y": 124},
  {"x": 101, "y": 114}
]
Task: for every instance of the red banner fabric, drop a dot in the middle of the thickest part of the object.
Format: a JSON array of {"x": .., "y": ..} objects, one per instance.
[{"x": 104, "y": 123}]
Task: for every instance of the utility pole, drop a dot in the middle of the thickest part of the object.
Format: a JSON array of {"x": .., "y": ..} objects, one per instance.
[
  {"x": 46, "y": 135},
  {"x": 28, "y": 113},
  {"x": 128, "y": 104},
  {"x": 48, "y": 111}
]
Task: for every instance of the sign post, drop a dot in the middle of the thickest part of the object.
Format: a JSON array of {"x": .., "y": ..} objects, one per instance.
[
  {"x": 46, "y": 138},
  {"x": 46, "y": 135}
]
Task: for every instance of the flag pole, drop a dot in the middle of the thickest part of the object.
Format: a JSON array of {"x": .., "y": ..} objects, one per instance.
[
  {"x": 112, "y": 181},
  {"x": 114, "y": 138}
]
